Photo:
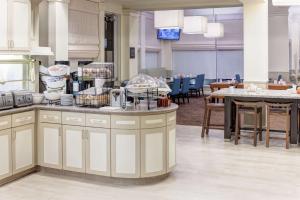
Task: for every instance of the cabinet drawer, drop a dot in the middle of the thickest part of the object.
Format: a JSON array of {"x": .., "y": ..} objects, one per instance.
[
  {"x": 71, "y": 118},
  {"x": 153, "y": 121},
  {"x": 99, "y": 121},
  {"x": 125, "y": 122},
  {"x": 50, "y": 116},
  {"x": 5, "y": 122},
  {"x": 171, "y": 118},
  {"x": 24, "y": 118}
]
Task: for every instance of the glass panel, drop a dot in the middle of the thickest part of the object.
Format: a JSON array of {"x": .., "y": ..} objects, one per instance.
[{"x": 11, "y": 72}]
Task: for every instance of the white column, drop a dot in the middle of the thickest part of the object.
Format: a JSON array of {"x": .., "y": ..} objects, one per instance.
[
  {"x": 143, "y": 41},
  {"x": 101, "y": 57},
  {"x": 166, "y": 55},
  {"x": 124, "y": 26},
  {"x": 58, "y": 29},
  {"x": 134, "y": 41},
  {"x": 294, "y": 36},
  {"x": 256, "y": 42}
]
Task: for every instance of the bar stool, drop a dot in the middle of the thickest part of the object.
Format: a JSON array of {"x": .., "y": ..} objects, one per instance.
[
  {"x": 212, "y": 107},
  {"x": 279, "y": 109},
  {"x": 253, "y": 108}
]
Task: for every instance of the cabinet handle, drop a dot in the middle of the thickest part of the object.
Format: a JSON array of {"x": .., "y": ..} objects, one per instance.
[
  {"x": 14, "y": 135},
  {"x": 12, "y": 44},
  {"x": 100, "y": 121},
  {"x": 125, "y": 122},
  {"x": 74, "y": 119},
  {"x": 83, "y": 135},
  {"x": 50, "y": 117},
  {"x": 3, "y": 123},
  {"x": 87, "y": 134},
  {"x": 22, "y": 119}
]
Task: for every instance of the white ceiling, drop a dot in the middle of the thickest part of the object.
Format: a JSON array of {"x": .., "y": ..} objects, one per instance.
[{"x": 173, "y": 4}]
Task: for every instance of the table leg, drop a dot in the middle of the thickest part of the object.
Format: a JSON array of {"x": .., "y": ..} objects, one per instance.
[
  {"x": 227, "y": 119},
  {"x": 294, "y": 123}
]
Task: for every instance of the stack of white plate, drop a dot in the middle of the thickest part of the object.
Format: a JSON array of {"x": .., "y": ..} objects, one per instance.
[{"x": 66, "y": 100}]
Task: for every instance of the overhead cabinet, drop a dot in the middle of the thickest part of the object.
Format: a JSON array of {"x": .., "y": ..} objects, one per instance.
[{"x": 15, "y": 25}]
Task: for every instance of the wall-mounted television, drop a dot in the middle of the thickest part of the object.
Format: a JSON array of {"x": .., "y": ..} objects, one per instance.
[{"x": 168, "y": 34}]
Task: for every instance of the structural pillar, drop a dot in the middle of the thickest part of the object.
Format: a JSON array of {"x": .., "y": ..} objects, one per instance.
[
  {"x": 256, "y": 42},
  {"x": 58, "y": 29},
  {"x": 101, "y": 57},
  {"x": 166, "y": 55}
]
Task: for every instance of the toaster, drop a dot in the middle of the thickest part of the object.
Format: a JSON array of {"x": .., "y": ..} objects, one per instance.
[
  {"x": 6, "y": 100},
  {"x": 22, "y": 98}
]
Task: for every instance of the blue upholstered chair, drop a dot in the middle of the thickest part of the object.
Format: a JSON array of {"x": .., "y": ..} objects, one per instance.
[
  {"x": 238, "y": 78},
  {"x": 175, "y": 87},
  {"x": 184, "y": 92},
  {"x": 198, "y": 86}
]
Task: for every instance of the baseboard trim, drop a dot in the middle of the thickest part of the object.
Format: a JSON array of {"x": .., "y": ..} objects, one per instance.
[{"x": 18, "y": 176}]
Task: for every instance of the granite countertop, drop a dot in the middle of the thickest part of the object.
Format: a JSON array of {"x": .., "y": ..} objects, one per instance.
[
  {"x": 172, "y": 108},
  {"x": 263, "y": 93}
]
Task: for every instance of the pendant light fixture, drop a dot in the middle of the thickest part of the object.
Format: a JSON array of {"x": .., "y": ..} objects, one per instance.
[
  {"x": 214, "y": 30},
  {"x": 168, "y": 19},
  {"x": 286, "y": 2},
  {"x": 195, "y": 25}
]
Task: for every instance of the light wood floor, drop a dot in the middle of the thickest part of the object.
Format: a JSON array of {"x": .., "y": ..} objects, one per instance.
[{"x": 207, "y": 169}]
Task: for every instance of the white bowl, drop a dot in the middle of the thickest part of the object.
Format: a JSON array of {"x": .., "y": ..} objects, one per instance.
[
  {"x": 52, "y": 96},
  {"x": 55, "y": 84},
  {"x": 58, "y": 70},
  {"x": 37, "y": 98},
  {"x": 44, "y": 70}
]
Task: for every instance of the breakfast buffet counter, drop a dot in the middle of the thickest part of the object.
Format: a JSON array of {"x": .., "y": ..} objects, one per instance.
[{"x": 106, "y": 142}]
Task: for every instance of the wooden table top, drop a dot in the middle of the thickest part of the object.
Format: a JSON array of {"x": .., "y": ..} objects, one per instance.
[{"x": 271, "y": 86}]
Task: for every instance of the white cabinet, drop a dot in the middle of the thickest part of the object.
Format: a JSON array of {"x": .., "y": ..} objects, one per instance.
[
  {"x": 23, "y": 148},
  {"x": 3, "y": 25},
  {"x": 74, "y": 148},
  {"x": 15, "y": 25},
  {"x": 171, "y": 147},
  {"x": 50, "y": 145},
  {"x": 98, "y": 151},
  {"x": 125, "y": 153},
  {"x": 153, "y": 149},
  {"x": 5, "y": 154}
]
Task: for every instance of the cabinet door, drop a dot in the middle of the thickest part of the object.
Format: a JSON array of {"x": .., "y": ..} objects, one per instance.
[
  {"x": 171, "y": 147},
  {"x": 19, "y": 23},
  {"x": 23, "y": 148},
  {"x": 73, "y": 148},
  {"x": 5, "y": 154},
  {"x": 98, "y": 151},
  {"x": 50, "y": 145},
  {"x": 3, "y": 25},
  {"x": 153, "y": 151},
  {"x": 125, "y": 153}
]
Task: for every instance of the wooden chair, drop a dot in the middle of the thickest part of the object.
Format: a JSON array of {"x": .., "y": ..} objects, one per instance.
[
  {"x": 210, "y": 107},
  {"x": 253, "y": 108},
  {"x": 283, "y": 110}
]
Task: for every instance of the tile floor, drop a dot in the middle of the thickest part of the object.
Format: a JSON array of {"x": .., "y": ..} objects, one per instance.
[{"x": 209, "y": 169}]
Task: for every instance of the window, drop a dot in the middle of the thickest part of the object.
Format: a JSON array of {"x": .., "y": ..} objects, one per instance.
[
  {"x": 16, "y": 73},
  {"x": 152, "y": 60}
]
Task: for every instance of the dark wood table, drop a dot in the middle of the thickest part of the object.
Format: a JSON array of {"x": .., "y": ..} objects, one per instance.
[
  {"x": 276, "y": 96},
  {"x": 220, "y": 85}
]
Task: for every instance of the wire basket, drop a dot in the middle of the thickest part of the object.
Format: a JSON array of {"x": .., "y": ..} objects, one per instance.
[{"x": 93, "y": 97}]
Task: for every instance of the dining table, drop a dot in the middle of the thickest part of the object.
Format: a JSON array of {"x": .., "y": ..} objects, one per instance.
[
  {"x": 220, "y": 85},
  {"x": 262, "y": 95}
]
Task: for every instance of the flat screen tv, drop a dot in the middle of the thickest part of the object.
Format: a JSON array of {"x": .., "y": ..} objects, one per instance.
[{"x": 168, "y": 34}]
